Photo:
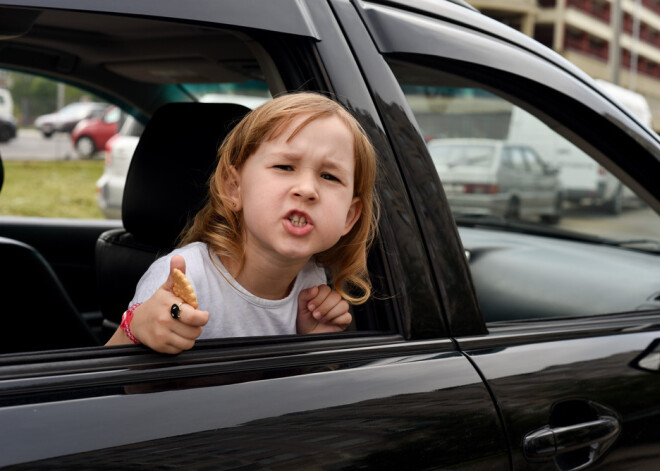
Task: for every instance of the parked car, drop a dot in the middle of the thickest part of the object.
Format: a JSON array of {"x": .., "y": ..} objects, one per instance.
[
  {"x": 7, "y": 120},
  {"x": 90, "y": 135},
  {"x": 65, "y": 119},
  {"x": 584, "y": 182},
  {"x": 490, "y": 343},
  {"x": 119, "y": 151},
  {"x": 486, "y": 176}
]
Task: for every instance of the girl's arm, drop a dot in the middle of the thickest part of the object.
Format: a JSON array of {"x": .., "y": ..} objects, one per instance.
[
  {"x": 154, "y": 326},
  {"x": 321, "y": 310}
]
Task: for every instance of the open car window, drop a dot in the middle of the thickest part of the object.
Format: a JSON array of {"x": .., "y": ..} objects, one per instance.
[{"x": 65, "y": 179}]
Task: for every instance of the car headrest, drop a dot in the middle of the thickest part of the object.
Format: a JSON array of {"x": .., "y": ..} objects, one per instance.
[{"x": 168, "y": 177}]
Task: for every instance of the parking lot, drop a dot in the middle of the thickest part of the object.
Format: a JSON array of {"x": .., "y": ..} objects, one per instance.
[
  {"x": 31, "y": 145},
  {"x": 633, "y": 223}
]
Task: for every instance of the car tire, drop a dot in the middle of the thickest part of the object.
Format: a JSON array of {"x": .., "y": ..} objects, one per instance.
[
  {"x": 615, "y": 205},
  {"x": 512, "y": 209},
  {"x": 47, "y": 133},
  {"x": 555, "y": 217},
  {"x": 5, "y": 134},
  {"x": 85, "y": 147}
]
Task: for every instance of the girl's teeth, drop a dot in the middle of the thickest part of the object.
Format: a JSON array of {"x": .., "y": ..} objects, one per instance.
[{"x": 298, "y": 220}]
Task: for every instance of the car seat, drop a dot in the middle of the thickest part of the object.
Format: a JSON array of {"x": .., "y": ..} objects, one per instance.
[
  {"x": 38, "y": 312},
  {"x": 166, "y": 185}
]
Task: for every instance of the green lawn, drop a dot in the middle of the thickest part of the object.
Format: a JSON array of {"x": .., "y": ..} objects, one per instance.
[{"x": 51, "y": 189}]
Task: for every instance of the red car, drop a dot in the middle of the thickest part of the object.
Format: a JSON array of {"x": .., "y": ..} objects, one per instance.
[{"x": 90, "y": 135}]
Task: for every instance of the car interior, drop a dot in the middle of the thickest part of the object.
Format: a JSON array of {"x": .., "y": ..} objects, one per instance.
[{"x": 148, "y": 68}]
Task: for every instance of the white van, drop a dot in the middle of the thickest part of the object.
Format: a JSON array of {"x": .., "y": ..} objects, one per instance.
[
  {"x": 583, "y": 181},
  {"x": 7, "y": 121}
]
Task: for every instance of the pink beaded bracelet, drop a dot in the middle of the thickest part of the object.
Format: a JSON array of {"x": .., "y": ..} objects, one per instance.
[{"x": 126, "y": 323}]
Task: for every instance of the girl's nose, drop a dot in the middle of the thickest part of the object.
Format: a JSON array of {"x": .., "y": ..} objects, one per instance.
[{"x": 305, "y": 187}]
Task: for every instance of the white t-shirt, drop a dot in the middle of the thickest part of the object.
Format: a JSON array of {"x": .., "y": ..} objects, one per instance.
[{"x": 234, "y": 311}]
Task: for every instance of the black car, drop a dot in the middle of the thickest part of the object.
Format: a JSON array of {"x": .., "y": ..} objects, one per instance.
[{"x": 490, "y": 343}]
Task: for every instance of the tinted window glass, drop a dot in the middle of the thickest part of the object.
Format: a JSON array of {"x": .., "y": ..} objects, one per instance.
[{"x": 543, "y": 188}]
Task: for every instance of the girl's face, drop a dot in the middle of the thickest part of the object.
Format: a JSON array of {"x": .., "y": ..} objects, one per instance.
[{"x": 297, "y": 196}]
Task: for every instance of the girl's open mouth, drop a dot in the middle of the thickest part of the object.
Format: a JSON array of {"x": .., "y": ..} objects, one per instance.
[{"x": 298, "y": 223}]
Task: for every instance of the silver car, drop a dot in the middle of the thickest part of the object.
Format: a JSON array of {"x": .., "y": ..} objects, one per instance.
[
  {"x": 119, "y": 152},
  {"x": 487, "y": 176},
  {"x": 66, "y": 118}
]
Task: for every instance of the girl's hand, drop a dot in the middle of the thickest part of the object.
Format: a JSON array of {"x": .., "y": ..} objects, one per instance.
[
  {"x": 154, "y": 326},
  {"x": 322, "y": 309}
]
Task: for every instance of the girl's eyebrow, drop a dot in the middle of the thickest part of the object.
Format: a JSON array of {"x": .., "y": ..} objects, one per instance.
[{"x": 327, "y": 164}]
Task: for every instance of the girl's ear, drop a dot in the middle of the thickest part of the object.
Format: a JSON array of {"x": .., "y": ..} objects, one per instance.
[
  {"x": 233, "y": 188},
  {"x": 354, "y": 212}
]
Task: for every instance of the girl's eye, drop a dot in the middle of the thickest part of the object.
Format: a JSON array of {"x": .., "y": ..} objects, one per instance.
[
  {"x": 288, "y": 168},
  {"x": 329, "y": 177}
]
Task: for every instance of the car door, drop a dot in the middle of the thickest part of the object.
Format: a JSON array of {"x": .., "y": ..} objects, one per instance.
[
  {"x": 393, "y": 394},
  {"x": 565, "y": 360}
]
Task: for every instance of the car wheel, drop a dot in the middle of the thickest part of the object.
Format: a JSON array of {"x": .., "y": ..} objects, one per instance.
[
  {"x": 555, "y": 217},
  {"x": 512, "y": 209},
  {"x": 85, "y": 147},
  {"x": 615, "y": 205},
  {"x": 5, "y": 134},
  {"x": 47, "y": 133}
]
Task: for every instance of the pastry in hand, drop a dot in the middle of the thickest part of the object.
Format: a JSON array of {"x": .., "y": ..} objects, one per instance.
[{"x": 183, "y": 288}]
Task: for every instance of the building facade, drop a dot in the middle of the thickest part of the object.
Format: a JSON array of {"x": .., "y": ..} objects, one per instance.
[{"x": 587, "y": 33}]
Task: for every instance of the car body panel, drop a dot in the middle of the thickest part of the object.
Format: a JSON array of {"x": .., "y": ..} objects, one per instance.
[
  {"x": 577, "y": 370},
  {"x": 99, "y": 129},
  {"x": 315, "y": 399}
]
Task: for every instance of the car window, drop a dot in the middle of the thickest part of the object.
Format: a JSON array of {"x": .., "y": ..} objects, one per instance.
[
  {"x": 60, "y": 164},
  {"x": 559, "y": 191},
  {"x": 517, "y": 159},
  {"x": 533, "y": 162},
  {"x": 112, "y": 115}
]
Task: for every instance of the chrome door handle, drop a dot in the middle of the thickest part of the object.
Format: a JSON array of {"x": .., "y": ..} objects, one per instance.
[{"x": 551, "y": 441}]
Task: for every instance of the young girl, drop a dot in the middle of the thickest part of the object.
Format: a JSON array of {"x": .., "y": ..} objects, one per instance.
[{"x": 292, "y": 196}]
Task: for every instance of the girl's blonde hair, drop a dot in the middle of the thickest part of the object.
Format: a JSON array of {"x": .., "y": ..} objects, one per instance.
[{"x": 221, "y": 228}]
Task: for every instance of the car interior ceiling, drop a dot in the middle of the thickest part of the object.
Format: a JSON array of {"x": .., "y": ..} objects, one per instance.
[{"x": 140, "y": 60}]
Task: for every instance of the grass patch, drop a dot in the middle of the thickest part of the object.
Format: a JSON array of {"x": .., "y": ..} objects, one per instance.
[{"x": 62, "y": 188}]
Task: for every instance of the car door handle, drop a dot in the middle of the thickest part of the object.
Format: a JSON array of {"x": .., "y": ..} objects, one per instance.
[{"x": 547, "y": 441}]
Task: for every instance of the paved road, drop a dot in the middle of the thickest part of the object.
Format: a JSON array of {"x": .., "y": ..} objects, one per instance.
[
  {"x": 633, "y": 223},
  {"x": 31, "y": 145}
]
